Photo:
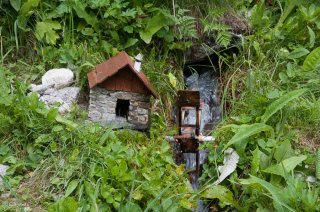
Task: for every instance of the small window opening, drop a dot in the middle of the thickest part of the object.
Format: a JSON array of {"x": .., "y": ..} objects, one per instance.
[{"x": 122, "y": 108}]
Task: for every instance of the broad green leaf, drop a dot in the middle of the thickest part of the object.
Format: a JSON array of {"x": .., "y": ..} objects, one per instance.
[
  {"x": 154, "y": 25},
  {"x": 130, "y": 206},
  {"x": 90, "y": 191},
  {"x": 60, "y": 10},
  {"x": 312, "y": 37},
  {"x": 297, "y": 53},
  {"x": 257, "y": 13},
  {"x": 219, "y": 192},
  {"x": 285, "y": 166},
  {"x": 28, "y": 6},
  {"x": 283, "y": 151},
  {"x": 290, "y": 70},
  {"x": 52, "y": 114},
  {"x": 172, "y": 80},
  {"x": 115, "y": 35},
  {"x": 284, "y": 78},
  {"x": 130, "y": 42},
  {"x": 128, "y": 29},
  {"x": 186, "y": 204},
  {"x": 81, "y": 12},
  {"x": 273, "y": 190},
  {"x": 257, "y": 48},
  {"x": 22, "y": 22},
  {"x": 255, "y": 161},
  {"x": 66, "y": 205},
  {"x": 5, "y": 97},
  {"x": 47, "y": 30},
  {"x": 265, "y": 160},
  {"x": 275, "y": 93},
  {"x": 53, "y": 147},
  {"x": 312, "y": 61},
  {"x": 129, "y": 13},
  {"x": 245, "y": 131},
  {"x": 70, "y": 124},
  {"x": 137, "y": 195},
  {"x": 15, "y": 4},
  {"x": 71, "y": 187},
  {"x": 280, "y": 103},
  {"x": 74, "y": 155},
  {"x": 288, "y": 8},
  {"x": 88, "y": 31}
]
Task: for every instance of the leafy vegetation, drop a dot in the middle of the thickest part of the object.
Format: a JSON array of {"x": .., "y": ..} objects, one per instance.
[
  {"x": 269, "y": 101},
  {"x": 101, "y": 169}
]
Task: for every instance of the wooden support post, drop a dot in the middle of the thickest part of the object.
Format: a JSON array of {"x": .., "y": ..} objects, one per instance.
[
  {"x": 179, "y": 119},
  {"x": 198, "y": 163},
  {"x": 197, "y": 121}
]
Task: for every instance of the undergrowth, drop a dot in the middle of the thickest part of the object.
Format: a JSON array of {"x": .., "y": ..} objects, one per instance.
[
  {"x": 84, "y": 165},
  {"x": 269, "y": 101}
]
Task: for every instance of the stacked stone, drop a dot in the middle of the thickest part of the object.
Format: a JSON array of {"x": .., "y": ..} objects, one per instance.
[
  {"x": 55, "y": 90},
  {"x": 102, "y": 108}
]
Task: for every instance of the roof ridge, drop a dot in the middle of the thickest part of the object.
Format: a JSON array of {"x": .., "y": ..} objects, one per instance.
[{"x": 112, "y": 66}]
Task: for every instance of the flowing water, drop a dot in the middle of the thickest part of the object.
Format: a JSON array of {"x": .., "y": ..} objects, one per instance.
[{"x": 207, "y": 84}]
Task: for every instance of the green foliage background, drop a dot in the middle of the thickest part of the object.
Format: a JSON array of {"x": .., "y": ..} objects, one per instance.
[{"x": 269, "y": 102}]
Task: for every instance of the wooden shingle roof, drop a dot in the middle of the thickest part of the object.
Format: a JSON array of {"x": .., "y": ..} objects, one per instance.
[{"x": 110, "y": 67}]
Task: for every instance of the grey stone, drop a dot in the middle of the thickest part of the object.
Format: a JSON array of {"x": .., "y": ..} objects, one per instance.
[
  {"x": 40, "y": 88},
  {"x": 145, "y": 105},
  {"x": 64, "y": 98},
  {"x": 3, "y": 170},
  {"x": 207, "y": 84},
  {"x": 104, "y": 102},
  {"x": 54, "y": 91}
]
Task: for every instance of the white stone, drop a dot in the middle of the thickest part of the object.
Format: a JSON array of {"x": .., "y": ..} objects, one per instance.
[
  {"x": 311, "y": 179},
  {"x": 3, "y": 170},
  {"x": 60, "y": 78}
]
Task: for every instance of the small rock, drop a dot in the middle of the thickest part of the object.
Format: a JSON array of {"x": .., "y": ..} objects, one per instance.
[
  {"x": 311, "y": 179},
  {"x": 60, "y": 78},
  {"x": 50, "y": 91},
  {"x": 3, "y": 170},
  {"x": 40, "y": 88},
  {"x": 5, "y": 195},
  {"x": 65, "y": 97},
  {"x": 51, "y": 100}
]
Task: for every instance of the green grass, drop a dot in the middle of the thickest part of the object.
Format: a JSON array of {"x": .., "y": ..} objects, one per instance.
[{"x": 267, "y": 118}]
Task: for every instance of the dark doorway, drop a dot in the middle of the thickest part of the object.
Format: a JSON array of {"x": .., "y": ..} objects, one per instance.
[{"x": 122, "y": 108}]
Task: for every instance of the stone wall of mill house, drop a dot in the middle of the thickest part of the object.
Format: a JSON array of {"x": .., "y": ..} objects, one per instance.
[{"x": 102, "y": 108}]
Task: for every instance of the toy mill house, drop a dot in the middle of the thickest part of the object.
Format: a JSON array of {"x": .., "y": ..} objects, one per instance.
[{"x": 120, "y": 93}]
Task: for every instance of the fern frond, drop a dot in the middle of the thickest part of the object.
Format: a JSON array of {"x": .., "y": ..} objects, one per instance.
[
  {"x": 223, "y": 38},
  {"x": 214, "y": 26},
  {"x": 186, "y": 25},
  {"x": 216, "y": 13}
]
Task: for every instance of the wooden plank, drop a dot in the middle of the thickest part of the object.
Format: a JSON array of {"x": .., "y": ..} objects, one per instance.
[
  {"x": 187, "y": 98},
  {"x": 125, "y": 80},
  {"x": 179, "y": 114},
  {"x": 109, "y": 84},
  {"x": 189, "y": 145},
  {"x": 189, "y": 125}
]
